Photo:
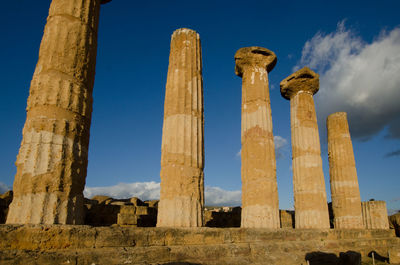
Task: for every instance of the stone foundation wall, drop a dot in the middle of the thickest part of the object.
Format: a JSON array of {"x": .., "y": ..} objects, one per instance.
[{"x": 59, "y": 244}]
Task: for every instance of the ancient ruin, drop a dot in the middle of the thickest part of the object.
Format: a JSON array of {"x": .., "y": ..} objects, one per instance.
[
  {"x": 53, "y": 157},
  {"x": 260, "y": 203},
  {"x": 52, "y": 160},
  {"x": 375, "y": 215},
  {"x": 286, "y": 218},
  {"x": 345, "y": 193},
  {"x": 311, "y": 209},
  {"x": 182, "y": 156}
]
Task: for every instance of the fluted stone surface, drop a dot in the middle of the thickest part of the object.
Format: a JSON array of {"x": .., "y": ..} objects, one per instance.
[
  {"x": 311, "y": 210},
  {"x": 53, "y": 157},
  {"x": 260, "y": 203},
  {"x": 345, "y": 192},
  {"x": 375, "y": 215},
  {"x": 182, "y": 153}
]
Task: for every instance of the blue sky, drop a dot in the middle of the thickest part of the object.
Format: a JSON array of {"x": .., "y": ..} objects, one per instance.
[{"x": 353, "y": 45}]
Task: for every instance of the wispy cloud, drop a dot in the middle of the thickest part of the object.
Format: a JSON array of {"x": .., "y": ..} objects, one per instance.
[
  {"x": 214, "y": 196},
  {"x": 4, "y": 188},
  {"x": 394, "y": 153},
  {"x": 359, "y": 78},
  {"x": 239, "y": 153},
  {"x": 280, "y": 144}
]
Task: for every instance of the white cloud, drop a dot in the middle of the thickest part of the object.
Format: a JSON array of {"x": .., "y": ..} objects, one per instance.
[
  {"x": 214, "y": 196},
  {"x": 4, "y": 188},
  {"x": 359, "y": 78},
  {"x": 280, "y": 143},
  {"x": 142, "y": 190}
]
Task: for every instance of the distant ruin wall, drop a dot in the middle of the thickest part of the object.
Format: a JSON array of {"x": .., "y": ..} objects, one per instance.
[
  {"x": 375, "y": 215},
  {"x": 55, "y": 244}
]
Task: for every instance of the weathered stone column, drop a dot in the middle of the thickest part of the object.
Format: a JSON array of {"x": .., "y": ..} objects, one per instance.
[
  {"x": 345, "y": 193},
  {"x": 311, "y": 208},
  {"x": 375, "y": 215},
  {"x": 53, "y": 157},
  {"x": 182, "y": 153},
  {"x": 260, "y": 203}
]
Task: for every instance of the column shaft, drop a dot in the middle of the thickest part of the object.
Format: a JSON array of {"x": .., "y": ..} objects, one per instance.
[
  {"x": 182, "y": 156},
  {"x": 311, "y": 210},
  {"x": 53, "y": 157},
  {"x": 345, "y": 193},
  {"x": 260, "y": 203}
]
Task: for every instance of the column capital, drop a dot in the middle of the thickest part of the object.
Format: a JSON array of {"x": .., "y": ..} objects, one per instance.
[
  {"x": 304, "y": 79},
  {"x": 185, "y": 31},
  {"x": 337, "y": 116},
  {"x": 254, "y": 56}
]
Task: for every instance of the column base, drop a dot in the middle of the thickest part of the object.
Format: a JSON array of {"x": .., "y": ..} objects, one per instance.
[
  {"x": 260, "y": 216},
  {"x": 180, "y": 212},
  {"x": 46, "y": 208}
]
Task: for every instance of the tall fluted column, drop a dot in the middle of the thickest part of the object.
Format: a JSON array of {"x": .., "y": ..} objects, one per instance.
[
  {"x": 311, "y": 209},
  {"x": 260, "y": 203},
  {"x": 375, "y": 215},
  {"x": 345, "y": 193},
  {"x": 53, "y": 157},
  {"x": 182, "y": 153}
]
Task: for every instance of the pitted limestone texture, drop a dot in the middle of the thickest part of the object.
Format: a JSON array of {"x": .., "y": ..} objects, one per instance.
[
  {"x": 311, "y": 208},
  {"x": 208, "y": 246},
  {"x": 260, "y": 203},
  {"x": 345, "y": 192},
  {"x": 375, "y": 215},
  {"x": 182, "y": 152},
  {"x": 53, "y": 157}
]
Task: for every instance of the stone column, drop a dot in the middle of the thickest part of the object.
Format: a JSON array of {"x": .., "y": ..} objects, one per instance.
[
  {"x": 311, "y": 208},
  {"x": 375, "y": 215},
  {"x": 53, "y": 157},
  {"x": 182, "y": 153},
  {"x": 346, "y": 201},
  {"x": 260, "y": 204}
]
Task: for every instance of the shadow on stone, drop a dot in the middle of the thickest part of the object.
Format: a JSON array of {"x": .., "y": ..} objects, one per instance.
[
  {"x": 378, "y": 257},
  {"x": 331, "y": 216},
  {"x": 350, "y": 258},
  {"x": 345, "y": 258},
  {"x": 321, "y": 258},
  {"x": 180, "y": 263}
]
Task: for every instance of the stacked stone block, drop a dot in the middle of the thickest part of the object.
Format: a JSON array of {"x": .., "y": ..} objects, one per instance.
[
  {"x": 375, "y": 215},
  {"x": 286, "y": 218}
]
